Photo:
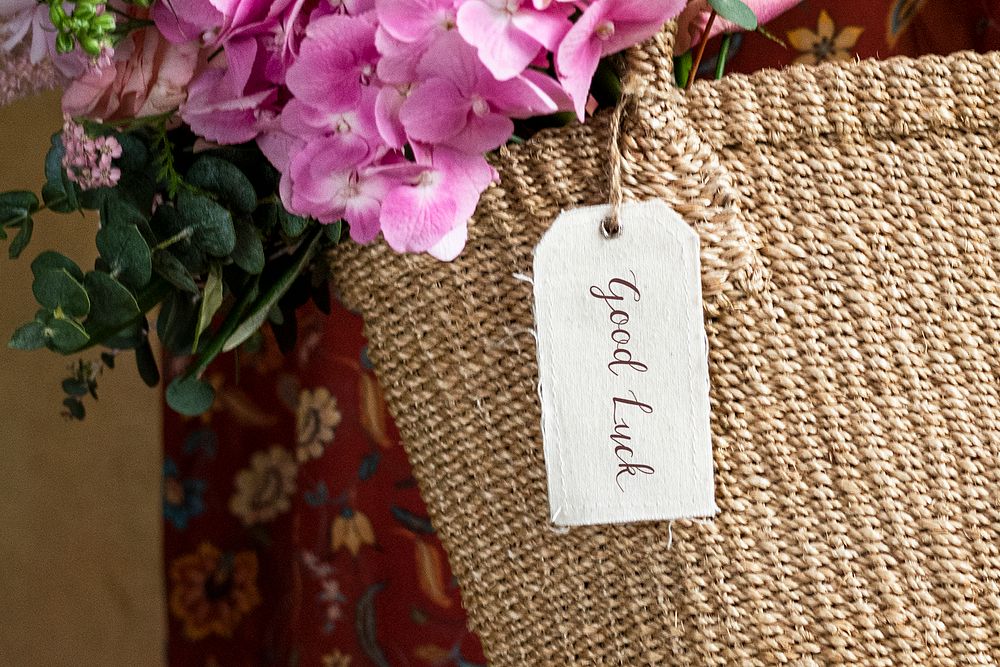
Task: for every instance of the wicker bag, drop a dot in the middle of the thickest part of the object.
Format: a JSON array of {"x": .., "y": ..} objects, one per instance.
[{"x": 850, "y": 220}]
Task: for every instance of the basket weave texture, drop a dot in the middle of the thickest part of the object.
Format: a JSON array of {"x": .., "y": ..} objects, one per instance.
[{"x": 850, "y": 225}]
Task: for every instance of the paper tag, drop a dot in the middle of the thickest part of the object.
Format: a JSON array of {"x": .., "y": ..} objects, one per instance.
[{"x": 623, "y": 363}]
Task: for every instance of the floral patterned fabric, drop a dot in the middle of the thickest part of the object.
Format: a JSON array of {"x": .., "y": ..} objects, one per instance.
[{"x": 294, "y": 531}]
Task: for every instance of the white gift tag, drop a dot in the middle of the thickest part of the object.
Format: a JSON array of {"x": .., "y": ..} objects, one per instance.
[{"x": 623, "y": 363}]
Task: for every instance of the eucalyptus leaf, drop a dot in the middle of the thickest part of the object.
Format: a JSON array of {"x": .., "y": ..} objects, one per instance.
[
  {"x": 212, "y": 224},
  {"x": 173, "y": 271},
  {"x": 66, "y": 336},
  {"x": 126, "y": 252},
  {"x": 176, "y": 323},
  {"x": 735, "y": 11},
  {"x": 74, "y": 406},
  {"x": 118, "y": 211},
  {"x": 225, "y": 180},
  {"x": 22, "y": 239},
  {"x": 75, "y": 387},
  {"x": 168, "y": 224},
  {"x": 211, "y": 301},
  {"x": 57, "y": 289},
  {"x": 145, "y": 361},
  {"x": 249, "y": 251},
  {"x": 111, "y": 303},
  {"x": 128, "y": 338},
  {"x": 58, "y": 193},
  {"x": 293, "y": 225},
  {"x": 17, "y": 206},
  {"x": 52, "y": 260},
  {"x": 190, "y": 396},
  {"x": 29, "y": 337}
]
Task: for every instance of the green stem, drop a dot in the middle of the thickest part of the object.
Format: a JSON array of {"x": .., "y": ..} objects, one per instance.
[
  {"x": 176, "y": 238},
  {"x": 229, "y": 325},
  {"x": 720, "y": 65},
  {"x": 303, "y": 254}
]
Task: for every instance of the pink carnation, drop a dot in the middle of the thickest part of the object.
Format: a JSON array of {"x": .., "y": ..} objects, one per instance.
[{"x": 148, "y": 76}]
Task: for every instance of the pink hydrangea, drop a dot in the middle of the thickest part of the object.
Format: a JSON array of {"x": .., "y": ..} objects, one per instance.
[{"x": 381, "y": 112}]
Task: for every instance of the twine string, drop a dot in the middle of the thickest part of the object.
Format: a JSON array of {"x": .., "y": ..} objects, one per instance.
[{"x": 611, "y": 226}]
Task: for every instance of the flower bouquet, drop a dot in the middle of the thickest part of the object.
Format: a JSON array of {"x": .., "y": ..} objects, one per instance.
[{"x": 227, "y": 144}]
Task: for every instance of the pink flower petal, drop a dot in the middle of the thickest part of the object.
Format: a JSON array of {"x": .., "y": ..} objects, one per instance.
[
  {"x": 451, "y": 244},
  {"x": 415, "y": 217},
  {"x": 547, "y": 27},
  {"x": 387, "y": 110},
  {"x": 505, "y": 50},
  {"x": 483, "y": 134},
  {"x": 412, "y": 20},
  {"x": 435, "y": 111}
]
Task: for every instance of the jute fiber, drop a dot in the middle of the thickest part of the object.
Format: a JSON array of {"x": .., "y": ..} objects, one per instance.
[{"x": 850, "y": 225}]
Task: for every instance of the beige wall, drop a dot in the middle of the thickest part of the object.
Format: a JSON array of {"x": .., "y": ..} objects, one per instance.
[{"x": 79, "y": 503}]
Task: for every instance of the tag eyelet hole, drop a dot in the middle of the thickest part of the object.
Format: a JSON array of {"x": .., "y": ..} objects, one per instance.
[{"x": 610, "y": 229}]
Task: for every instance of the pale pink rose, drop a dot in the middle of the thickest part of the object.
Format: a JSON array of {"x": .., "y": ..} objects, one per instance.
[
  {"x": 149, "y": 76},
  {"x": 691, "y": 22}
]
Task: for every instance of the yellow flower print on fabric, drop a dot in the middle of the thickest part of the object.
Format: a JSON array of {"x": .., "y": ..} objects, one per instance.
[
  {"x": 211, "y": 591},
  {"x": 316, "y": 421},
  {"x": 826, "y": 43},
  {"x": 263, "y": 491},
  {"x": 351, "y": 530}
]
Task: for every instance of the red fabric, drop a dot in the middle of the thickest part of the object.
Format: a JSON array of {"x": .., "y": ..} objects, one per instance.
[
  {"x": 294, "y": 532},
  {"x": 322, "y": 553}
]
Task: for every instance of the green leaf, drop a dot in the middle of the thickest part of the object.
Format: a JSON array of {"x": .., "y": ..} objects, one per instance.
[
  {"x": 145, "y": 361},
  {"x": 224, "y": 179},
  {"x": 29, "y": 337},
  {"x": 75, "y": 387},
  {"x": 190, "y": 396},
  {"x": 293, "y": 225},
  {"x": 66, "y": 336},
  {"x": 735, "y": 11},
  {"x": 118, "y": 211},
  {"x": 126, "y": 252},
  {"x": 22, "y": 239},
  {"x": 111, "y": 304},
  {"x": 57, "y": 289},
  {"x": 173, "y": 271},
  {"x": 17, "y": 206},
  {"x": 74, "y": 407},
  {"x": 211, "y": 301},
  {"x": 259, "y": 311},
  {"x": 212, "y": 224},
  {"x": 52, "y": 260},
  {"x": 682, "y": 68},
  {"x": 334, "y": 231},
  {"x": 58, "y": 193},
  {"x": 249, "y": 251},
  {"x": 167, "y": 223},
  {"x": 127, "y": 338},
  {"x": 176, "y": 322}
]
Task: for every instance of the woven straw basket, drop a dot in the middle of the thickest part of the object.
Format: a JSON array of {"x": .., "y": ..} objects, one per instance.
[{"x": 850, "y": 225}]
